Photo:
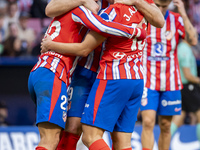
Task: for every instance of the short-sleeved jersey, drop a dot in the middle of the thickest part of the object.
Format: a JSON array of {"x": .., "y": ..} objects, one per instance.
[
  {"x": 92, "y": 61},
  {"x": 186, "y": 59},
  {"x": 160, "y": 54},
  {"x": 121, "y": 57},
  {"x": 67, "y": 29}
]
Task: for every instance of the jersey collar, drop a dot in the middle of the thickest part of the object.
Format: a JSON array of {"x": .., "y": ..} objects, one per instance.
[{"x": 166, "y": 14}]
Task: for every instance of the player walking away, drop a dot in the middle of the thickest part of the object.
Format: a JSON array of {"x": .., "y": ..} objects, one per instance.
[
  {"x": 191, "y": 87},
  {"x": 50, "y": 77},
  {"x": 162, "y": 77}
]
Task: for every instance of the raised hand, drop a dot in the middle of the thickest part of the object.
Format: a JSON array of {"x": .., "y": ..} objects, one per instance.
[
  {"x": 91, "y": 5},
  {"x": 180, "y": 5}
]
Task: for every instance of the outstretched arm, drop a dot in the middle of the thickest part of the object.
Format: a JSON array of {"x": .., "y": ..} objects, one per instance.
[
  {"x": 91, "y": 41},
  {"x": 103, "y": 27},
  {"x": 59, "y": 7},
  {"x": 150, "y": 11}
]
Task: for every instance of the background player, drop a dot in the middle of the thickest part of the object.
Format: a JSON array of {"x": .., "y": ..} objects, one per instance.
[
  {"x": 49, "y": 77},
  {"x": 163, "y": 82},
  {"x": 191, "y": 87}
]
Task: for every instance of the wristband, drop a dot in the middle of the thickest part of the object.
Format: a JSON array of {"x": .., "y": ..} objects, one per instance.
[{"x": 140, "y": 34}]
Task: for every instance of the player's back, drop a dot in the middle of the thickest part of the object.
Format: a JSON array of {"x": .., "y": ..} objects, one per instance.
[
  {"x": 127, "y": 15},
  {"x": 63, "y": 29},
  {"x": 121, "y": 51}
]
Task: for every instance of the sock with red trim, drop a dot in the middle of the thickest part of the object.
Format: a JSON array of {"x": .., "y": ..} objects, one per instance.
[
  {"x": 146, "y": 149},
  {"x": 99, "y": 145},
  {"x": 40, "y": 148},
  {"x": 68, "y": 141}
]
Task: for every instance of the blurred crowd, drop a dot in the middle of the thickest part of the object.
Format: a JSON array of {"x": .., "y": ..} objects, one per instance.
[{"x": 22, "y": 25}]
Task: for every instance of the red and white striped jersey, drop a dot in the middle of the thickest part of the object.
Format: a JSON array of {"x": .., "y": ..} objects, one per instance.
[
  {"x": 121, "y": 57},
  {"x": 160, "y": 60},
  {"x": 67, "y": 29},
  {"x": 92, "y": 60},
  {"x": 89, "y": 62}
]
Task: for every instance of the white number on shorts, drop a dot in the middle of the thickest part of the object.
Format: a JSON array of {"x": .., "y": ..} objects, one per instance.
[
  {"x": 70, "y": 93},
  {"x": 144, "y": 93},
  {"x": 64, "y": 99}
]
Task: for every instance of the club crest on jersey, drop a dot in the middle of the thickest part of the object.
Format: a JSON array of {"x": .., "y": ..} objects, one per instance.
[
  {"x": 119, "y": 55},
  {"x": 144, "y": 102},
  {"x": 64, "y": 116},
  {"x": 169, "y": 35}
]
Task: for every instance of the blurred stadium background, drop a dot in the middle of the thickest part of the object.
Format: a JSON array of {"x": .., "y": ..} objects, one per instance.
[{"x": 17, "y": 123}]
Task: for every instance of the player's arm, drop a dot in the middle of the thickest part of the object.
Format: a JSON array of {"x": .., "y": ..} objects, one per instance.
[
  {"x": 105, "y": 28},
  {"x": 150, "y": 11},
  {"x": 91, "y": 41},
  {"x": 190, "y": 33},
  {"x": 189, "y": 76},
  {"x": 59, "y": 7}
]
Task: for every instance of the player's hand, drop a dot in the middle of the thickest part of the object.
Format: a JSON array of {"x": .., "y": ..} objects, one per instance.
[
  {"x": 140, "y": 25},
  {"x": 180, "y": 5},
  {"x": 91, "y": 5},
  {"x": 45, "y": 43}
]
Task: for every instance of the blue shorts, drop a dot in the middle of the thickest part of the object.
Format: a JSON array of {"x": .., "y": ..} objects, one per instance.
[
  {"x": 82, "y": 81},
  {"x": 50, "y": 95},
  {"x": 166, "y": 103},
  {"x": 113, "y": 104}
]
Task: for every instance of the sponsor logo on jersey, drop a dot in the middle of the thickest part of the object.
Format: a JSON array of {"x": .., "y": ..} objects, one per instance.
[
  {"x": 150, "y": 58},
  {"x": 158, "y": 49},
  {"x": 119, "y": 55},
  {"x": 158, "y": 53}
]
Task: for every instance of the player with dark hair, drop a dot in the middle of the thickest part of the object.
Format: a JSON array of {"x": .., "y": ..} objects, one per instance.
[
  {"x": 110, "y": 105},
  {"x": 85, "y": 73},
  {"x": 163, "y": 83},
  {"x": 50, "y": 77}
]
